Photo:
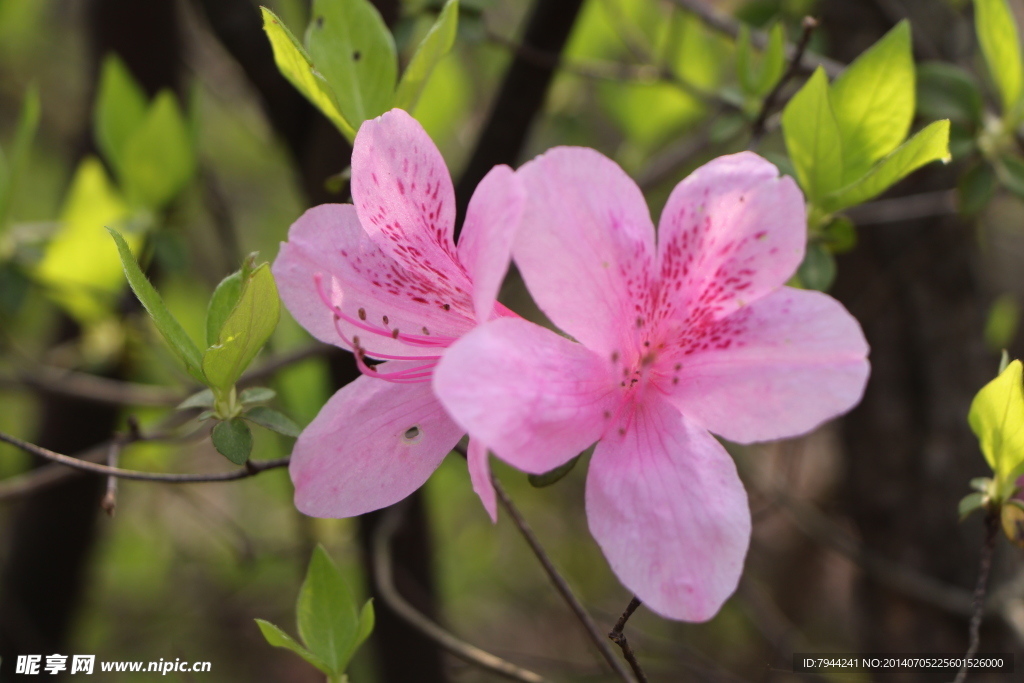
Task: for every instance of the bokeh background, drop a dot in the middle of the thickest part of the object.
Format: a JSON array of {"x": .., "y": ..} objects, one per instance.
[{"x": 857, "y": 545}]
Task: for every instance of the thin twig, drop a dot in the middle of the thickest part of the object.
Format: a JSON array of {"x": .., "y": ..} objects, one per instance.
[
  {"x": 730, "y": 27},
  {"x": 390, "y": 595},
  {"x": 251, "y": 468},
  {"x": 619, "y": 638},
  {"x": 978, "y": 603},
  {"x": 561, "y": 585},
  {"x": 223, "y": 219},
  {"x": 757, "y": 130},
  {"x": 93, "y": 388}
]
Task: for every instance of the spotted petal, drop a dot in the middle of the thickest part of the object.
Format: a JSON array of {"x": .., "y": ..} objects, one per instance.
[
  {"x": 777, "y": 368},
  {"x": 669, "y": 511},
  {"x": 372, "y": 444}
]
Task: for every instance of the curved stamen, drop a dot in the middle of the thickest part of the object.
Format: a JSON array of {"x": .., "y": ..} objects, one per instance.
[
  {"x": 373, "y": 354},
  {"x": 411, "y": 339}
]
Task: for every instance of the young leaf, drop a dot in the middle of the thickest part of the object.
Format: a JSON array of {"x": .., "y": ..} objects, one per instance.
[
  {"x": 223, "y": 301},
  {"x": 158, "y": 158},
  {"x": 945, "y": 91},
  {"x": 930, "y": 144},
  {"x": 294, "y": 63},
  {"x": 997, "y": 34},
  {"x": 200, "y": 399},
  {"x": 367, "y": 620},
  {"x": 813, "y": 139},
  {"x": 273, "y": 420},
  {"x": 975, "y": 188},
  {"x": 28, "y": 123},
  {"x": 1010, "y": 170},
  {"x": 970, "y": 503},
  {"x": 120, "y": 110},
  {"x": 278, "y": 638},
  {"x": 167, "y": 324},
  {"x": 818, "y": 270},
  {"x": 759, "y": 80},
  {"x": 233, "y": 439},
  {"x": 245, "y": 331},
  {"x": 997, "y": 418},
  {"x": 873, "y": 100},
  {"x": 1002, "y": 322},
  {"x": 351, "y": 46},
  {"x": 434, "y": 46},
  {"x": 256, "y": 395},
  {"x": 328, "y": 623}
]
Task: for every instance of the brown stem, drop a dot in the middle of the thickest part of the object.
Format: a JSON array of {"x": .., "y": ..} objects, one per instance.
[
  {"x": 561, "y": 585},
  {"x": 619, "y": 638},
  {"x": 389, "y": 594},
  {"x": 252, "y": 468},
  {"x": 758, "y": 128},
  {"x": 978, "y": 606}
]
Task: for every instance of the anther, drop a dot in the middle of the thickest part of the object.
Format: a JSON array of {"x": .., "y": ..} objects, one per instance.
[
  {"x": 639, "y": 322},
  {"x": 615, "y": 356},
  {"x": 385, "y": 320},
  {"x": 447, "y": 307},
  {"x": 362, "y": 314},
  {"x": 426, "y": 331},
  {"x": 394, "y": 333},
  {"x": 679, "y": 366}
]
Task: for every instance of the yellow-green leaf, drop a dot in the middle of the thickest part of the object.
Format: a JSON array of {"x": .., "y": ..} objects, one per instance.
[
  {"x": 158, "y": 159},
  {"x": 930, "y": 144},
  {"x": 245, "y": 331},
  {"x": 813, "y": 139},
  {"x": 278, "y": 638},
  {"x": 28, "y": 123},
  {"x": 294, "y": 63},
  {"x": 120, "y": 110},
  {"x": 997, "y": 34},
  {"x": 435, "y": 45},
  {"x": 997, "y": 418}
]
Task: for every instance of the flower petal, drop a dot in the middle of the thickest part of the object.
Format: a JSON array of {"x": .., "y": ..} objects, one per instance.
[
  {"x": 356, "y": 275},
  {"x": 372, "y": 444},
  {"x": 586, "y": 245},
  {"x": 485, "y": 245},
  {"x": 731, "y": 232},
  {"x": 774, "y": 369},
  {"x": 405, "y": 201},
  {"x": 480, "y": 476},
  {"x": 670, "y": 513},
  {"x": 536, "y": 399}
]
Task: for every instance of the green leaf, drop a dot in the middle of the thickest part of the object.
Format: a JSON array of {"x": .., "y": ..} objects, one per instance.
[
  {"x": 328, "y": 623},
  {"x": 818, "y": 270},
  {"x": 1010, "y": 171},
  {"x": 294, "y": 63},
  {"x": 256, "y": 395},
  {"x": 930, "y": 144},
  {"x": 873, "y": 100},
  {"x": 273, "y": 420},
  {"x": 813, "y": 139},
  {"x": 167, "y": 324},
  {"x": 434, "y": 46},
  {"x": 840, "y": 235},
  {"x": 120, "y": 110},
  {"x": 997, "y": 35},
  {"x": 997, "y": 418},
  {"x": 278, "y": 638},
  {"x": 158, "y": 159},
  {"x": 223, "y": 301},
  {"x": 351, "y": 46},
  {"x": 945, "y": 91},
  {"x": 28, "y": 123},
  {"x": 970, "y": 503},
  {"x": 975, "y": 188},
  {"x": 552, "y": 476},
  {"x": 233, "y": 439},
  {"x": 759, "y": 80},
  {"x": 367, "y": 620},
  {"x": 245, "y": 331},
  {"x": 1002, "y": 322},
  {"x": 981, "y": 484},
  {"x": 200, "y": 399}
]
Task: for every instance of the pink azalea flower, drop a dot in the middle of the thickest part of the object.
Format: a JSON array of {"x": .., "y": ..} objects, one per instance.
[
  {"x": 384, "y": 278},
  {"x": 694, "y": 335}
]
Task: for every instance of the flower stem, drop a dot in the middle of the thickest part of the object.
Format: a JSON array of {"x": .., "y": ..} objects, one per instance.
[
  {"x": 985, "y": 566},
  {"x": 619, "y": 638}
]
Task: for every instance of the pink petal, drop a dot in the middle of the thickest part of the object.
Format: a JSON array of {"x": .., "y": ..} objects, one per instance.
[
  {"x": 480, "y": 476},
  {"x": 774, "y": 369},
  {"x": 328, "y": 240},
  {"x": 485, "y": 245},
  {"x": 536, "y": 399},
  {"x": 730, "y": 233},
  {"x": 669, "y": 511},
  {"x": 372, "y": 445},
  {"x": 405, "y": 201},
  {"x": 586, "y": 245}
]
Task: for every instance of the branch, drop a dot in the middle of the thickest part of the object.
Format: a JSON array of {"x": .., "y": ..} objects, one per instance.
[
  {"x": 619, "y": 638},
  {"x": 978, "y": 602},
  {"x": 252, "y": 468},
  {"x": 561, "y": 585},
  {"x": 93, "y": 388},
  {"x": 758, "y": 128},
  {"x": 907, "y": 208},
  {"x": 730, "y": 27},
  {"x": 390, "y": 595}
]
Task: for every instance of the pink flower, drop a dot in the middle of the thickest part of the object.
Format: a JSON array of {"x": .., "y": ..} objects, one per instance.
[
  {"x": 694, "y": 335},
  {"x": 385, "y": 279}
]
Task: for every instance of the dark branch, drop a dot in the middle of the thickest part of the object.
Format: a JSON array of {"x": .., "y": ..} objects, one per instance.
[
  {"x": 619, "y": 638},
  {"x": 758, "y": 128},
  {"x": 978, "y": 603}
]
